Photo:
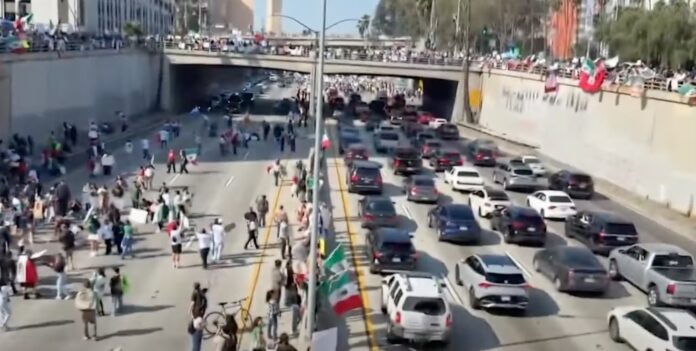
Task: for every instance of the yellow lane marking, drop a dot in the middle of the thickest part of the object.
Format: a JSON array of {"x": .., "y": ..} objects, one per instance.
[
  {"x": 369, "y": 329},
  {"x": 257, "y": 265}
]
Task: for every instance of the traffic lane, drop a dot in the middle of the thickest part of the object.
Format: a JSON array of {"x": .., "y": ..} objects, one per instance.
[{"x": 542, "y": 304}]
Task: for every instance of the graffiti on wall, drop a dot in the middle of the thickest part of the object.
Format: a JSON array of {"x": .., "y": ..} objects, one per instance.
[{"x": 525, "y": 100}]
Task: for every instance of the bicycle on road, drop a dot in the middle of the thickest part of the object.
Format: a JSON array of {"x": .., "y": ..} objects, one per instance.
[{"x": 216, "y": 319}]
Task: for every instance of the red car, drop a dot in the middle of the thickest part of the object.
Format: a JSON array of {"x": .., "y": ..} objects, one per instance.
[
  {"x": 425, "y": 118},
  {"x": 444, "y": 159}
]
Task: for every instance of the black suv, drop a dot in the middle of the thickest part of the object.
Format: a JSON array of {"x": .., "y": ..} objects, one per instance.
[
  {"x": 520, "y": 225},
  {"x": 601, "y": 231},
  {"x": 390, "y": 249},
  {"x": 447, "y": 131},
  {"x": 577, "y": 185},
  {"x": 364, "y": 176},
  {"x": 406, "y": 160}
]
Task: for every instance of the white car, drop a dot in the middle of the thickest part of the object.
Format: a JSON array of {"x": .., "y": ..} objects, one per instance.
[
  {"x": 534, "y": 164},
  {"x": 487, "y": 200},
  {"x": 552, "y": 204},
  {"x": 464, "y": 178},
  {"x": 653, "y": 328},
  {"x": 436, "y": 122}
]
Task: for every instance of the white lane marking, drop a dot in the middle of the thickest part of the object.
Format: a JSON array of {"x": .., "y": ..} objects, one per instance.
[
  {"x": 229, "y": 181},
  {"x": 451, "y": 289},
  {"x": 408, "y": 213},
  {"x": 171, "y": 181},
  {"x": 519, "y": 264},
  {"x": 246, "y": 155}
]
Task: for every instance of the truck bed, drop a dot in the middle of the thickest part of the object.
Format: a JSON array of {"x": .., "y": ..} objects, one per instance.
[{"x": 685, "y": 275}]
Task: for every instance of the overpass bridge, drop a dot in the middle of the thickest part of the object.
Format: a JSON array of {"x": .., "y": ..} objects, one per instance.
[{"x": 335, "y": 41}]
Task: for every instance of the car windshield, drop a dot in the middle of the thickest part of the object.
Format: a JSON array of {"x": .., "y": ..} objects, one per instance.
[
  {"x": 247, "y": 96},
  {"x": 559, "y": 199},
  {"x": 427, "y": 306},
  {"x": 498, "y": 196},
  {"x": 357, "y": 150},
  {"x": 407, "y": 154},
  {"x": 449, "y": 128},
  {"x": 581, "y": 178},
  {"x": 396, "y": 247},
  {"x": 385, "y": 207},
  {"x": 508, "y": 279},
  {"x": 368, "y": 172},
  {"x": 386, "y": 128},
  {"x": 424, "y": 182},
  {"x": 579, "y": 258},
  {"x": 672, "y": 261},
  {"x": 425, "y": 136},
  {"x": 434, "y": 144},
  {"x": 531, "y": 160},
  {"x": 685, "y": 343},
  {"x": 389, "y": 136},
  {"x": 351, "y": 139},
  {"x": 468, "y": 174},
  {"x": 620, "y": 228},
  {"x": 523, "y": 172},
  {"x": 485, "y": 143},
  {"x": 484, "y": 152},
  {"x": 460, "y": 212},
  {"x": 530, "y": 218},
  {"x": 451, "y": 156}
]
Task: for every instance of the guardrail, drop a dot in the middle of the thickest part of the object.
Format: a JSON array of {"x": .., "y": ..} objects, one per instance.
[{"x": 8, "y": 50}]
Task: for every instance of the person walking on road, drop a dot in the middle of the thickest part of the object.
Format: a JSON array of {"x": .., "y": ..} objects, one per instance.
[
  {"x": 99, "y": 286},
  {"x": 266, "y": 128},
  {"x": 276, "y": 170},
  {"x": 116, "y": 288},
  {"x": 58, "y": 266},
  {"x": 226, "y": 336},
  {"x": 127, "y": 241},
  {"x": 145, "y": 146},
  {"x": 258, "y": 341},
  {"x": 284, "y": 237},
  {"x": 252, "y": 228},
  {"x": 5, "y": 311},
  {"x": 262, "y": 208},
  {"x": 218, "y": 239},
  {"x": 171, "y": 161},
  {"x": 106, "y": 234},
  {"x": 273, "y": 314},
  {"x": 184, "y": 162},
  {"x": 196, "y": 330},
  {"x": 175, "y": 241},
  {"x": 291, "y": 141},
  {"x": 205, "y": 241},
  {"x": 86, "y": 303},
  {"x": 277, "y": 278},
  {"x": 280, "y": 217}
]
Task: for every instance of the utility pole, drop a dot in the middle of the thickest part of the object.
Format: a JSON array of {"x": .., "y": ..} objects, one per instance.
[
  {"x": 458, "y": 28},
  {"x": 431, "y": 26},
  {"x": 465, "y": 65}
]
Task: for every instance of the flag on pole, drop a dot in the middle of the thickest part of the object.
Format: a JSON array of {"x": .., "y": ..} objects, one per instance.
[
  {"x": 192, "y": 155},
  {"x": 342, "y": 292},
  {"x": 325, "y": 142},
  {"x": 336, "y": 262}
]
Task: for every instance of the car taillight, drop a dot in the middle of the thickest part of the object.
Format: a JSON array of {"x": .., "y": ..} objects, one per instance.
[
  {"x": 526, "y": 286},
  {"x": 448, "y": 320},
  {"x": 517, "y": 225},
  {"x": 414, "y": 191},
  {"x": 414, "y": 255},
  {"x": 396, "y": 163},
  {"x": 572, "y": 207},
  {"x": 571, "y": 274},
  {"x": 442, "y": 160},
  {"x": 378, "y": 180},
  {"x": 435, "y": 191},
  {"x": 671, "y": 288},
  {"x": 397, "y": 318},
  {"x": 485, "y": 285},
  {"x": 376, "y": 255},
  {"x": 479, "y": 156},
  {"x": 367, "y": 217},
  {"x": 353, "y": 178},
  {"x": 460, "y": 162},
  {"x": 572, "y": 182}
]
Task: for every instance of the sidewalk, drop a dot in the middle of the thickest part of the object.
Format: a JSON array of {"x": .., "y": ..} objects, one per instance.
[{"x": 669, "y": 219}]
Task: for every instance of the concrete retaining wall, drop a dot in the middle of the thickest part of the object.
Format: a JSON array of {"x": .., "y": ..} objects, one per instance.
[
  {"x": 645, "y": 145},
  {"x": 46, "y": 92}
]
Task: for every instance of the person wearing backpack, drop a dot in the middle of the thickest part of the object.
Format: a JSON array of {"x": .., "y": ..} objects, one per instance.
[{"x": 86, "y": 303}]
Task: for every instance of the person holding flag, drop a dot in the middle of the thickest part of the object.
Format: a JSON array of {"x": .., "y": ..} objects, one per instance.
[{"x": 339, "y": 287}]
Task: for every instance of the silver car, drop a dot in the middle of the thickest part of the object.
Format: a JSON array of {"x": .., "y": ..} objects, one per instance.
[
  {"x": 492, "y": 281},
  {"x": 513, "y": 175}
]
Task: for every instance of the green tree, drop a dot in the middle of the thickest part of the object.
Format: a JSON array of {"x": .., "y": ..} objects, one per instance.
[{"x": 363, "y": 25}]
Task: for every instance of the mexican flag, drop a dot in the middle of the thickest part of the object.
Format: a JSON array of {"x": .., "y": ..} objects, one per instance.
[
  {"x": 688, "y": 90},
  {"x": 592, "y": 76},
  {"x": 342, "y": 292},
  {"x": 192, "y": 155},
  {"x": 336, "y": 263},
  {"x": 325, "y": 142}
]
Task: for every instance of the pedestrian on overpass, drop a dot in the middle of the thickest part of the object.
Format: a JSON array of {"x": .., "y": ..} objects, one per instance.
[
  {"x": 145, "y": 145},
  {"x": 171, "y": 161}
]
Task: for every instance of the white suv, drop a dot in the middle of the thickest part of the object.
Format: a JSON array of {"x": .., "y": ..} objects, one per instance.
[
  {"x": 653, "y": 328},
  {"x": 416, "y": 308}
]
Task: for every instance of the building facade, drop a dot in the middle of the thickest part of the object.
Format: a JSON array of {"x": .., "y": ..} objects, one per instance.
[
  {"x": 9, "y": 8},
  {"x": 273, "y": 21},
  {"x": 106, "y": 16},
  {"x": 226, "y": 15}
]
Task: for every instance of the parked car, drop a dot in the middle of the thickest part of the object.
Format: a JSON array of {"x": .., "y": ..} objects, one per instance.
[
  {"x": 390, "y": 249},
  {"x": 454, "y": 223},
  {"x": 444, "y": 159},
  {"x": 429, "y": 148},
  {"x": 601, "y": 231},
  {"x": 492, "y": 281},
  {"x": 355, "y": 152},
  {"x": 664, "y": 271},
  {"x": 447, "y": 131},
  {"x": 377, "y": 211},
  {"x": 652, "y": 328},
  {"x": 572, "y": 269},
  {"x": 421, "y": 188},
  {"x": 515, "y": 176},
  {"x": 577, "y": 185},
  {"x": 364, "y": 176},
  {"x": 482, "y": 157},
  {"x": 519, "y": 225},
  {"x": 462, "y": 178},
  {"x": 534, "y": 164},
  {"x": 487, "y": 200},
  {"x": 552, "y": 204},
  {"x": 406, "y": 160}
]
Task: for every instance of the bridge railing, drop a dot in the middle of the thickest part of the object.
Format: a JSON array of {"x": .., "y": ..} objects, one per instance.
[{"x": 71, "y": 46}]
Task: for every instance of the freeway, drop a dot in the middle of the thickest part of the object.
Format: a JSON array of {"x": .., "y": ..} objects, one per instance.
[
  {"x": 554, "y": 321},
  {"x": 156, "y": 307}
]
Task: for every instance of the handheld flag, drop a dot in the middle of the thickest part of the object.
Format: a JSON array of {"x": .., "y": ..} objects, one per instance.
[
  {"x": 336, "y": 263},
  {"x": 592, "y": 76},
  {"x": 551, "y": 83},
  {"x": 342, "y": 292},
  {"x": 325, "y": 142},
  {"x": 192, "y": 155}
]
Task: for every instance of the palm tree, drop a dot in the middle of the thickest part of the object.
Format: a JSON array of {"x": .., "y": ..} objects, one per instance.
[{"x": 363, "y": 25}]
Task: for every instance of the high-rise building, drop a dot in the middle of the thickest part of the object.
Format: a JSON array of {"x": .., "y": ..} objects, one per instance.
[
  {"x": 232, "y": 14},
  {"x": 273, "y": 21}
]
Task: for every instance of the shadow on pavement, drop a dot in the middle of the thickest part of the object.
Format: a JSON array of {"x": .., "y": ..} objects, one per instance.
[
  {"x": 130, "y": 332},
  {"x": 132, "y": 309},
  {"x": 44, "y": 324}
]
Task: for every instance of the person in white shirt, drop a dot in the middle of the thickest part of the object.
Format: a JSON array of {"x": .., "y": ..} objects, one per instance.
[
  {"x": 5, "y": 311},
  {"x": 107, "y": 162},
  {"x": 205, "y": 241},
  {"x": 145, "y": 145},
  {"x": 175, "y": 240},
  {"x": 106, "y": 233},
  {"x": 218, "y": 239}
]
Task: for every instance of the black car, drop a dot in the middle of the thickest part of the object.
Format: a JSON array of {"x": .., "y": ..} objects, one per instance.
[
  {"x": 345, "y": 139},
  {"x": 283, "y": 107},
  {"x": 406, "y": 160},
  {"x": 377, "y": 107},
  {"x": 423, "y": 137},
  {"x": 601, "y": 231},
  {"x": 577, "y": 185},
  {"x": 444, "y": 159},
  {"x": 377, "y": 211},
  {"x": 448, "y": 131},
  {"x": 482, "y": 157},
  {"x": 572, "y": 269},
  {"x": 247, "y": 100},
  {"x": 364, "y": 176},
  {"x": 519, "y": 225},
  {"x": 390, "y": 249}
]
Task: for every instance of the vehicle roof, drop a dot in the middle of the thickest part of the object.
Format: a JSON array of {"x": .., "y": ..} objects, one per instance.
[
  {"x": 422, "y": 284},
  {"x": 433, "y": 142},
  {"x": 609, "y": 217},
  {"x": 461, "y": 206},
  {"x": 681, "y": 322},
  {"x": 405, "y": 148},
  {"x": 518, "y": 166},
  {"x": 428, "y": 132},
  {"x": 377, "y": 198},
  {"x": 661, "y": 248},
  {"x": 366, "y": 164},
  {"x": 493, "y": 191},
  {"x": 393, "y": 235},
  {"x": 525, "y": 211},
  {"x": 465, "y": 169},
  {"x": 499, "y": 264}
]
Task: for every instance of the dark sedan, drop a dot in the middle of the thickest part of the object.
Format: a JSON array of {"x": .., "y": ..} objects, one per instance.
[
  {"x": 572, "y": 269},
  {"x": 445, "y": 159},
  {"x": 577, "y": 185},
  {"x": 454, "y": 223},
  {"x": 421, "y": 188},
  {"x": 377, "y": 211},
  {"x": 447, "y": 132},
  {"x": 519, "y": 225}
]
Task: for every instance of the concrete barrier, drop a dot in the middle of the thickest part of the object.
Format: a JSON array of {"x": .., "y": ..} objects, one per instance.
[{"x": 644, "y": 145}]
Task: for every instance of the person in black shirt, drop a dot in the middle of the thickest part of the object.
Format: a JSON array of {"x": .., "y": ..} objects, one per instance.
[
  {"x": 199, "y": 301},
  {"x": 67, "y": 239},
  {"x": 116, "y": 288},
  {"x": 252, "y": 227}
]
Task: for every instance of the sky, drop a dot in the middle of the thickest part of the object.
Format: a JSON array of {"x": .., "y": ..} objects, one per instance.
[{"x": 309, "y": 12}]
